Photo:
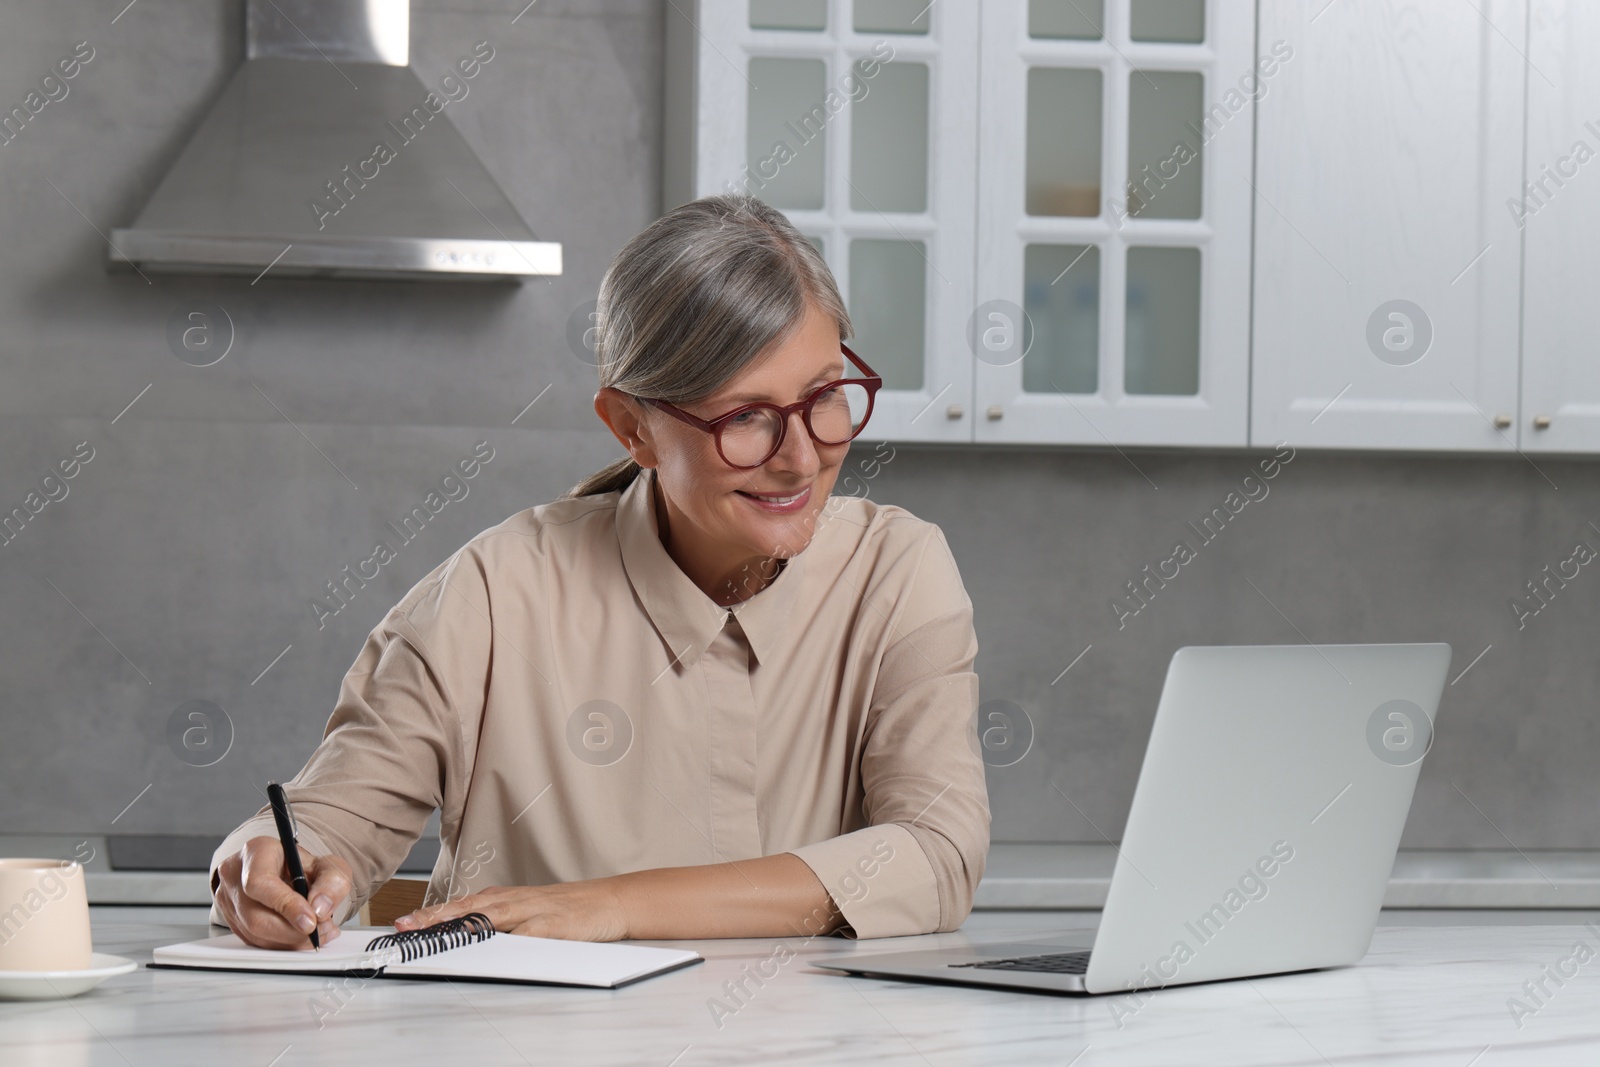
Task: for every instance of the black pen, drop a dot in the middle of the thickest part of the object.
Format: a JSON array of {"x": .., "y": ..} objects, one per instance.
[{"x": 291, "y": 848}]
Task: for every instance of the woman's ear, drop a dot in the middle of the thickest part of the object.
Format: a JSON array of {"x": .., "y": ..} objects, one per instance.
[{"x": 624, "y": 416}]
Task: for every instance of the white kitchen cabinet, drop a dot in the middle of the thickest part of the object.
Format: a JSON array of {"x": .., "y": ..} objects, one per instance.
[
  {"x": 1042, "y": 206},
  {"x": 1386, "y": 152},
  {"x": 858, "y": 119},
  {"x": 1113, "y": 222},
  {"x": 1559, "y": 213},
  {"x": 1046, "y": 215}
]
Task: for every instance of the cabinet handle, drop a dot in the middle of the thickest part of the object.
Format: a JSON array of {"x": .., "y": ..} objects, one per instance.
[
  {"x": 954, "y": 411},
  {"x": 1502, "y": 422},
  {"x": 995, "y": 411},
  {"x": 1541, "y": 422}
]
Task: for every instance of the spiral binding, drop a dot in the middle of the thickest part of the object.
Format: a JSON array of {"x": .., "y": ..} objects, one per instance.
[{"x": 414, "y": 944}]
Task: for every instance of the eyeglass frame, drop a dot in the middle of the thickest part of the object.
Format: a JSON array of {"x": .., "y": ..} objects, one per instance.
[{"x": 872, "y": 380}]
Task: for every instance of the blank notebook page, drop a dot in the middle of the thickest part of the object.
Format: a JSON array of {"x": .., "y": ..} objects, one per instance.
[
  {"x": 507, "y": 957},
  {"x": 541, "y": 959},
  {"x": 345, "y": 952}
]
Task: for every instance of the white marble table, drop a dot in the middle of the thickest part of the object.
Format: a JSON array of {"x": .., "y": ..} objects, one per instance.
[{"x": 1425, "y": 994}]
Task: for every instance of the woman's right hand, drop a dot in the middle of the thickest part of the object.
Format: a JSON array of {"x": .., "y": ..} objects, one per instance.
[{"x": 261, "y": 907}]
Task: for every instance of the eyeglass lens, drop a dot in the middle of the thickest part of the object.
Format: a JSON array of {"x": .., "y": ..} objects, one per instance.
[{"x": 749, "y": 438}]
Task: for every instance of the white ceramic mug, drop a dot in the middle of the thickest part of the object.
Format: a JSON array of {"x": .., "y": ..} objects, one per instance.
[{"x": 44, "y": 916}]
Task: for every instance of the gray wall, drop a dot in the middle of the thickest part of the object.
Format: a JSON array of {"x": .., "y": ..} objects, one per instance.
[{"x": 183, "y": 560}]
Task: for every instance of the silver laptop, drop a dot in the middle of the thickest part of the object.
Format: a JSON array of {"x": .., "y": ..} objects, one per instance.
[{"x": 1263, "y": 830}]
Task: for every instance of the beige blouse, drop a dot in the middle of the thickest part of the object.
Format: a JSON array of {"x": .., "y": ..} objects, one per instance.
[{"x": 576, "y": 707}]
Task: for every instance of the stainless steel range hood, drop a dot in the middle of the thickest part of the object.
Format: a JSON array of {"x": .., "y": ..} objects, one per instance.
[{"x": 326, "y": 155}]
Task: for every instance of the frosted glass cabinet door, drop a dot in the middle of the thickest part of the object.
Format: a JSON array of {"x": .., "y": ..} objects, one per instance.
[
  {"x": 856, "y": 118},
  {"x": 1560, "y": 219},
  {"x": 1113, "y": 223},
  {"x": 780, "y": 89},
  {"x": 1387, "y": 266}
]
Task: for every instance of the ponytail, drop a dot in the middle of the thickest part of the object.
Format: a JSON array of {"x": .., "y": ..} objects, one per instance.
[{"x": 615, "y": 476}]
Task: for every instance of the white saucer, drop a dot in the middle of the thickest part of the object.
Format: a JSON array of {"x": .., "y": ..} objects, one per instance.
[{"x": 49, "y": 985}]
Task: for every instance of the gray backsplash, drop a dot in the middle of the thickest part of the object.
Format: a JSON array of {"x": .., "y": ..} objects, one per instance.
[{"x": 182, "y": 562}]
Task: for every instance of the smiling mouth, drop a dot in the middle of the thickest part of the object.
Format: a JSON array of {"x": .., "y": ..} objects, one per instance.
[{"x": 770, "y": 502}]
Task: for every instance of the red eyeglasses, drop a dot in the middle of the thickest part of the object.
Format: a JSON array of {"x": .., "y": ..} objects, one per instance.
[{"x": 748, "y": 436}]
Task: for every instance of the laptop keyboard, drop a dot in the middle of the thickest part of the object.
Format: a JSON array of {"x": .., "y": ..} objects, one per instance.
[{"x": 1053, "y": 963}]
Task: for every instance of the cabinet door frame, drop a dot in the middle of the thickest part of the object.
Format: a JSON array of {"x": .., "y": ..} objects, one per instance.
[
  {"x": 1217, "y": 415},
  {"x": 718, "y": 47},
  {"x": 1560, "y": 214},
  {"x": 1339, "y": 234}
]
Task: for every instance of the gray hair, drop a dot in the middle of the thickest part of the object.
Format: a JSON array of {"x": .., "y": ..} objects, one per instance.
[{"x": 697, "y": 296}]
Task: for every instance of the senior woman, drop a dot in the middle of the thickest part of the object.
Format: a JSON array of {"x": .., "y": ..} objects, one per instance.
[{"x": 699, "y": 695}]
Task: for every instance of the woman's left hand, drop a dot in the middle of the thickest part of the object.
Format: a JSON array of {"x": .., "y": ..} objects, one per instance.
[{"x": 573, "y": 911}]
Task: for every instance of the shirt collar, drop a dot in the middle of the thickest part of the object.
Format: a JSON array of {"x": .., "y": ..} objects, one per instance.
[{"x": 685, "y": 617}]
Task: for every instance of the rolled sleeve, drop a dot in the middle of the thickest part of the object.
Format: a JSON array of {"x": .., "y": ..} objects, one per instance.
[
  {"x": 915, "y": 868},
  {"x": 880, "y": 878}
]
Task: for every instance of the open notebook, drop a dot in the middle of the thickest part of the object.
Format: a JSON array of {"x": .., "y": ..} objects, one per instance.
[{"x": 467, "y": 947}]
